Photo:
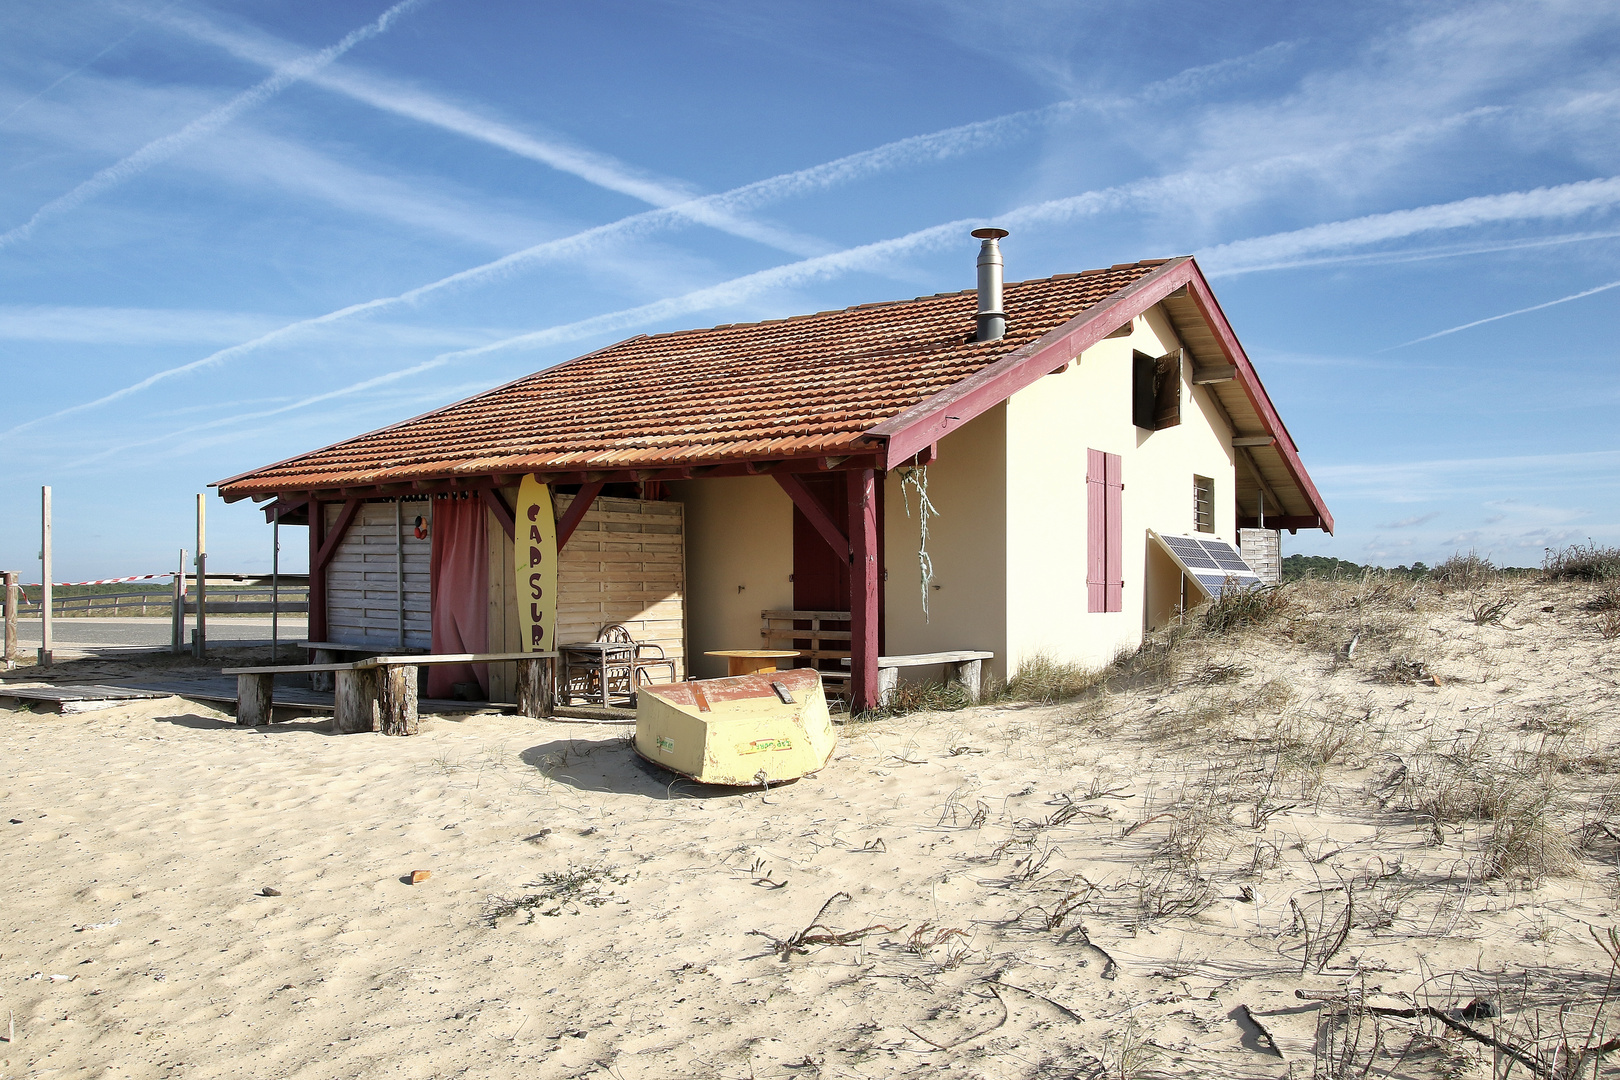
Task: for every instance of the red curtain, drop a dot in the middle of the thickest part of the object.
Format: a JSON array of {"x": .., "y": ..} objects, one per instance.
[{"x": 460, "y": 593}]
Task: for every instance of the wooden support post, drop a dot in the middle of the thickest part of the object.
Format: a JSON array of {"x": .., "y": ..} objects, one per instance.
[
  {"x": 45, "y": 576},
  {"x": 863, "y": 591},
  {"x": 177, "y": 615},
  {"x": 396, "y": 685},
  {"x": 201, "y": 633},
  {"x": 535, "y": 687},
  {"x": 355, "y": 704},
  {"x": 10, "y": 580},
  {"x": 253, "y": 694},
  {"x": 317, "y": 574}
]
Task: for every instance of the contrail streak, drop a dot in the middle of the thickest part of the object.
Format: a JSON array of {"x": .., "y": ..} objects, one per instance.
[
  {"x": 594, "y": 168},
  {"x": 936, "y": 146},
  {"x": 1563, "y": 200},
  {"x": 161, "y": 149},
  {"x": 1505, "y": 315}
]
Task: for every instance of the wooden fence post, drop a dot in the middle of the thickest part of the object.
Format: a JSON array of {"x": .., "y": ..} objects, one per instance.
[
  {"x": 10, "y": 580},
  {"x": 46, "y": 569}
]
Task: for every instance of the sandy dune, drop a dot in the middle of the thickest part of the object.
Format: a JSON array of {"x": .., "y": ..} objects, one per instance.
[{"x": 1137, "y": 882}]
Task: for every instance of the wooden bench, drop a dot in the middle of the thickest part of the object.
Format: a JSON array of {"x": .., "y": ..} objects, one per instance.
[
  {"x": 964, "y": 668},
  {"x": 378, "y": 693}
]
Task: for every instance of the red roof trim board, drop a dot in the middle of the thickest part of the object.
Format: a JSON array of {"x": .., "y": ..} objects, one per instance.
[{"x": 928, "y": 421}]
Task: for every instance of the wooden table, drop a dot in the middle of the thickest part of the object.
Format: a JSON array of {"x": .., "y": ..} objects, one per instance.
[
  {"x": 600, "y": 655},
  {"x": 750, "y": 661}
]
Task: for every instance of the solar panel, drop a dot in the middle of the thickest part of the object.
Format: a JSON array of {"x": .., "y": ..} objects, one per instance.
[{"x": 1212, "y": 562}]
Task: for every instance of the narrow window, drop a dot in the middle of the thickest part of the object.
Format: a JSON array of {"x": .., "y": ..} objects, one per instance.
[
  {"x": 1105, "y": 540},
  {"x": 1204, "y": 503}
]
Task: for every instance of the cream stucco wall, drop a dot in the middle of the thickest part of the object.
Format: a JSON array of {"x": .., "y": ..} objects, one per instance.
[
  {"x": 1050, "y": 426},
  {"x": 967, "y": 542},
  {"x": 739, "y": 555},
  {"x": 1009, "y": 542}
]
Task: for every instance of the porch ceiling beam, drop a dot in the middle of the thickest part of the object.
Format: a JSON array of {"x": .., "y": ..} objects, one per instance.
[
  {"x": 814, "y": 513},
  {"x": 1254, "y": 440},
  {"x": 1292, "y": 522},
  {"x": 930, "y": 420},
  {"x": 1203, "y": 376},
  {"x": 498, "y": 507},
  {"x": 329, "y": 546},
  {"x": 576, "y": 512}
]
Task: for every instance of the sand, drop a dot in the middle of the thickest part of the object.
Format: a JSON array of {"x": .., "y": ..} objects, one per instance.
[{"x": 1134, "y": 884}]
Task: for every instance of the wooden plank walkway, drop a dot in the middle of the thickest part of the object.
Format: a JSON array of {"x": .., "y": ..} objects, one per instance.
[{"x": 70, "y": 699}]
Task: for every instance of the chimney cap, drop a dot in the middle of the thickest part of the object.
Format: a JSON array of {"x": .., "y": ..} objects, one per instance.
[{"x": 988, "y": 234}]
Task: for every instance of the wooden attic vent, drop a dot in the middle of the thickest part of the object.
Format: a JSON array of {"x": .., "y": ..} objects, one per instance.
[{"x": 1156, "y": 390}]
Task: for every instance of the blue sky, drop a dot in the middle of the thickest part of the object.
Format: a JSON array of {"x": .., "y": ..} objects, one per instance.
[{"x": 233, "y": 232}]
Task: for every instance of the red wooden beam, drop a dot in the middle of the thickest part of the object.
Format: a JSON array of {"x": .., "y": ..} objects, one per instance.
[
  {"x": 317, "y": 578},
  {"x": 863, "y": 592},
  {"x": 502, "y": 512},
  {"x": 330, "y": 544},
  {"x": 576, "y": 512},
  {"x": 814, "y": 512}
]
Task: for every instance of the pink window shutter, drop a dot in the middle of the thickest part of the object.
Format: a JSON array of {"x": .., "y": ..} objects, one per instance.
[
  {"x": 1114, "y": 557},
  {"x": 1096, "y": 532}
]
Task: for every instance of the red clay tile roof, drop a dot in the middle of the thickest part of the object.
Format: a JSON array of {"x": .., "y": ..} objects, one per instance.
[{"x": 807, "y": 385}]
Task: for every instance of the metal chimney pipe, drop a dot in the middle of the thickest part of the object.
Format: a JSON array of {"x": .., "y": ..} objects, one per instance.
[{"x": 992, "y": 320}]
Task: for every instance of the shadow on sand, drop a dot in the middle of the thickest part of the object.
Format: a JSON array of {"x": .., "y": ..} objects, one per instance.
[
  {"x": 611, "y": 764},
  {"x": 320, "y": 724}
]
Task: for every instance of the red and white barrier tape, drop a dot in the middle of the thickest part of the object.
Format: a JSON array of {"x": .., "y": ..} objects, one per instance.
[{"x": 101, "y": 581}]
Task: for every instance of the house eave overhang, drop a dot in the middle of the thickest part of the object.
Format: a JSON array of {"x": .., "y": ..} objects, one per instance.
[{"x": 925, "y": 423}]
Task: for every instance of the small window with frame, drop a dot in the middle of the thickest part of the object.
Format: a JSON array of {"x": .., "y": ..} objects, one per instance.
[{"x": 1204, "y": 504}]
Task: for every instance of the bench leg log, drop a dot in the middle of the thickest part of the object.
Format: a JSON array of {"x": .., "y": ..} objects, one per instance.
[
  {"x": 397, "y": 691},
  {"x": 322, "y": 680},
  {"x": 969, "y": 676},
  {"x": 535, "y": 688},
  {"x": 888, "y": 683},
  {"x": 253, "y": 699},
  {"x": 356, "y": 701}
]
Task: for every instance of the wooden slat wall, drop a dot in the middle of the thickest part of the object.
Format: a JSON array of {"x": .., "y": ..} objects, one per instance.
[
  {"x": 626, "y": 563},
  {"x": 361, "y": 597}
]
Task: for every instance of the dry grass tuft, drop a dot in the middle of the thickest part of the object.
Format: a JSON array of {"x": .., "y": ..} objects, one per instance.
[
  {"x": 1577, "y": 563},
  {"x": 1237, "y": 609},
  {"x": 1042, "y": 679},
  {"x": 1468, "y": 571}
]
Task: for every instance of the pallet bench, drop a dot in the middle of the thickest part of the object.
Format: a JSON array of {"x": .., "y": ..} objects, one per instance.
[
  {"x": 964, "y": 668},
  {"x": 378, "y": 693}
]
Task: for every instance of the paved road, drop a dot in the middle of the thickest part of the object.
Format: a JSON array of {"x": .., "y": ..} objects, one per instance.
[{"x": 81, "y": 633}]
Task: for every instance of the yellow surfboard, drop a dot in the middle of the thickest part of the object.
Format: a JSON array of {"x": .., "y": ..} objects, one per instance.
[{"x": 534, "y": 552}]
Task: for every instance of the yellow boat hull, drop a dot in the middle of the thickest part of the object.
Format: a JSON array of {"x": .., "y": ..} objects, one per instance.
[{"x": 740, "y": 731}]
